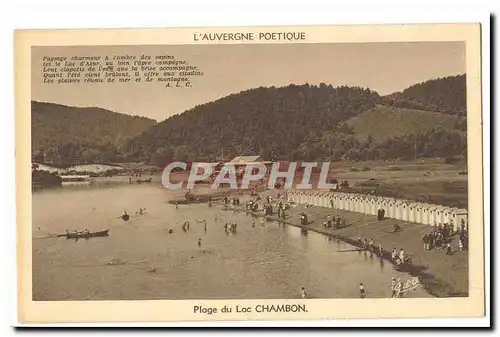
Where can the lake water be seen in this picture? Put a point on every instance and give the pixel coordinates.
(261, 262)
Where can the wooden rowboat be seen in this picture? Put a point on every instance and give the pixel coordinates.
(82, 235)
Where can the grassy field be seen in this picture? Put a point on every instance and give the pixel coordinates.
(382, 122)
(422, 180)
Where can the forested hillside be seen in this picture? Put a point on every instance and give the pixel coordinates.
(273, 122)
(309, 123)
(296, 122)
(64, 135)
(445, 95)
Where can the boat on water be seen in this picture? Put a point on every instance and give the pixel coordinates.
(83, 235)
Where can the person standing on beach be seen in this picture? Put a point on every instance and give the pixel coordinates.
(448, 248)
(371, 245)
(303, 293)
(199, 243)
(401, 256)
(380, 250)
(394, 255)
(362, 292)
(425, 240)
(365, 244)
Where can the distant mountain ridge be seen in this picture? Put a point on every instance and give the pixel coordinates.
(314, 122)
(295, 122)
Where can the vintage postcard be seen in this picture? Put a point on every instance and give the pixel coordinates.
(249, 173)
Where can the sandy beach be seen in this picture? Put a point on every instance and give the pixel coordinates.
(442, 275)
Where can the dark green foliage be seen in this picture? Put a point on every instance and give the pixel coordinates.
(296, 122)
(44, 179)
(276, 123)
(63, 135)
(445, 95)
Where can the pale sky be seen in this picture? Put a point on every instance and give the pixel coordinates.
(383, 67)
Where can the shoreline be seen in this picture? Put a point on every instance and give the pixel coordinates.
(433, 285)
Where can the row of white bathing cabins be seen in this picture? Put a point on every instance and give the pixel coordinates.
(405, 210)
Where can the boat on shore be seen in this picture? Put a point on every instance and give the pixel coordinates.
(82, 235)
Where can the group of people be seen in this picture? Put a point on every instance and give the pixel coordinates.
(268, 209)
(77, 232)
(185, 226)
(252, 206)
(397, 289)
(400, 258)
(334, 222)
(281, 210)
(230, 227)
(371, 247)
(125, 216)
(235, 201)
(441, 237)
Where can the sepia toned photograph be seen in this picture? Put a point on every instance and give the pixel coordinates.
(260, 168)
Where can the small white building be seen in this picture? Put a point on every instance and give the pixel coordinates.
(418, 213)
(412, 212)
(357, 204)
(460, 218)
(398, 214)
(344, 201)
(373, 206)
(405, 208)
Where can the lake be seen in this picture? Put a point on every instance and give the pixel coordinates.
(263, 262)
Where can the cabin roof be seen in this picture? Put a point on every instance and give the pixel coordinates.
(244, 159)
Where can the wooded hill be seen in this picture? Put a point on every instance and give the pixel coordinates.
(296, 122)
(314, 123)
(445, 95)
(65, 135)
